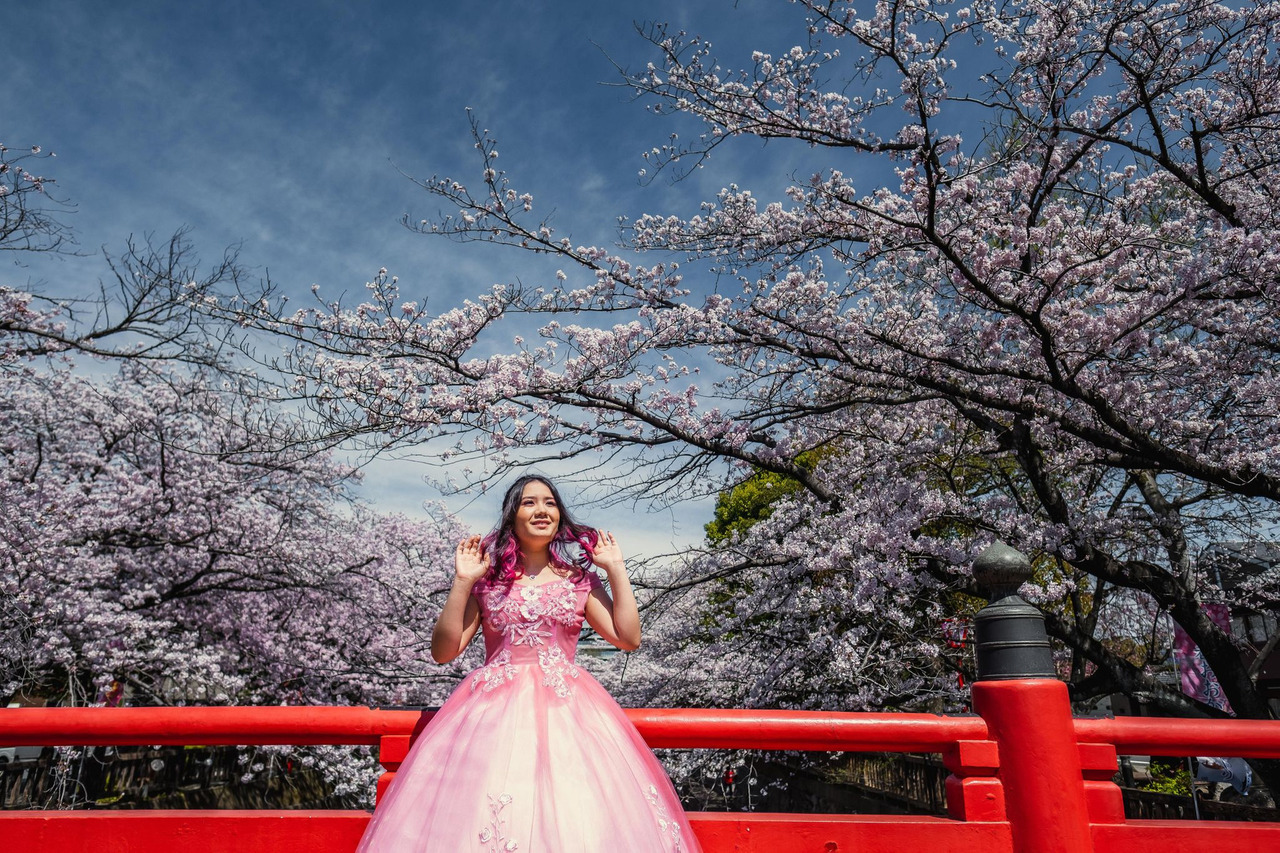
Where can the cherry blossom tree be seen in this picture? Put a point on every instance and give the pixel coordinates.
(157, 545)
(1033, 295)
(141, 310)
(29, 213)
(170, 532)
(171, 540)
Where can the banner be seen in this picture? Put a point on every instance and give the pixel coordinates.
(1198, 680)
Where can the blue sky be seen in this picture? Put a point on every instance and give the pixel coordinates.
(283, 127)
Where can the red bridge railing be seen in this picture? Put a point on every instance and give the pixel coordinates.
(1025, 776)
(1009, 790)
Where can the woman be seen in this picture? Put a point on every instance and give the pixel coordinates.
(530, 753)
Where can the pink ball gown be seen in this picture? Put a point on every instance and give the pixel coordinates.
(530, 753)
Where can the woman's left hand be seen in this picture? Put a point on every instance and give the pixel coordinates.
(614, 617)
(607, 554)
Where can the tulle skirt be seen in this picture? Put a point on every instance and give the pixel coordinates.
(517, 766)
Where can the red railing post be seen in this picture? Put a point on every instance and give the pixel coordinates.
(973, 791)
(391, 752)
(1028, 714)
(1030, 720)
(392, 749)
(1099, 763)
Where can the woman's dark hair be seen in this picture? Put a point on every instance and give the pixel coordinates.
(506, 560)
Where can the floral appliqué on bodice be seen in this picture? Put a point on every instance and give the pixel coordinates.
(526, 624)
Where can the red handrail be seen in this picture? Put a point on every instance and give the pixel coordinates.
(804, 730)
(187, 725)
(1173, 736)
(1004, 795)
(661, 727)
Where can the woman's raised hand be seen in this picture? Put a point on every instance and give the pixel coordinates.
(470, 561)
(607, 554)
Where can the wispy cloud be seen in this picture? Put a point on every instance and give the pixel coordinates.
(281, 127)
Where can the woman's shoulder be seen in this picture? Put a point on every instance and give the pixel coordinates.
(488, 584)
(588, 580)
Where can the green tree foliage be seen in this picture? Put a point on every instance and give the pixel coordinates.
(741, 507)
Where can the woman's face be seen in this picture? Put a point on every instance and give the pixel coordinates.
(537, 517)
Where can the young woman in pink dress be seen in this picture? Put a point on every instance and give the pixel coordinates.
(530, 753)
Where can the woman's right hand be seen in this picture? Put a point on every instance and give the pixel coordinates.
(459, 619)
(470, 563)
